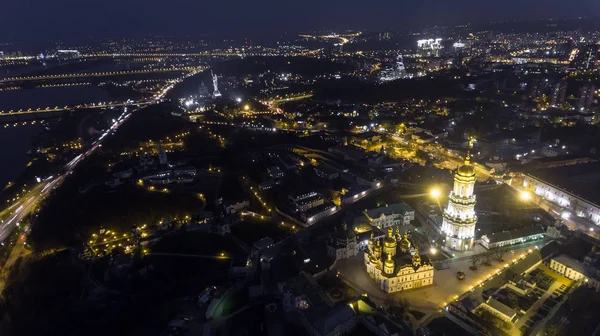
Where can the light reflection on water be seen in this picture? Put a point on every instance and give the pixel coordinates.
(14, 144)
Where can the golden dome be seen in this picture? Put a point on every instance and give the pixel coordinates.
(363, 227)
(378, 246)
(405, 243)
(416, 258)
(466, 170)
(390, 241)
(389, 262)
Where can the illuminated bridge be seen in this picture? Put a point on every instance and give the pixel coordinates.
(99, 74)
(49, 110)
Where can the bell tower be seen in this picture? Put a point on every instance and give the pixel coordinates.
(459, 216)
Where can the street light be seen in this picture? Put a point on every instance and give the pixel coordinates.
(433, 250)
(435, 193)
(525, 196)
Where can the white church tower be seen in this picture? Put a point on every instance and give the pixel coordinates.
(459, 217)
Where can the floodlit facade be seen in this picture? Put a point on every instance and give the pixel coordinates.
(429, 47)
(397, 267)
(459, 218)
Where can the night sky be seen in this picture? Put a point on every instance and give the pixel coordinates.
(43, 19)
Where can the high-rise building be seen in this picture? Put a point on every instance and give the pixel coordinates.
(559, 92)
(459, 218)
(393, 70)
(585, 98)
(429, 47)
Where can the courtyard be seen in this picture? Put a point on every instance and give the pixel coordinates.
(446, 285)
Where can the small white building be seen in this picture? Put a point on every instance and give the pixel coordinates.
(507, 238)
(233, 207)
(390, 215)
(576, 270)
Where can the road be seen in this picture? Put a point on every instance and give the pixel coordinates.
(12, 216)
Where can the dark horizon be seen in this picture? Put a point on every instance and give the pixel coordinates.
(37, 20)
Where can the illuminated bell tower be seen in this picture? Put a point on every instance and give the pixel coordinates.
(459, 216)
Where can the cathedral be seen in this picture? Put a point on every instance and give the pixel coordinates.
(397, 267)
(459, 217)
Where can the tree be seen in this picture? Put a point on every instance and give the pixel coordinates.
(390, 301)
(499, 253)
(398, 307)
(487, 258)
(475, 261)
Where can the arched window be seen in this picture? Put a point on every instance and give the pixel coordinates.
(462, 190)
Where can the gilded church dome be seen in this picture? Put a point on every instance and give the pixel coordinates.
(416, 258)
(389, 262)
(390, 241)
(405, 243)
(466, 170)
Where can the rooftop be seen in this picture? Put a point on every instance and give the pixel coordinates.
(588, 271)
(582, 180)
(508, 235)
(321, 312)
(390, 209)
(501, 307)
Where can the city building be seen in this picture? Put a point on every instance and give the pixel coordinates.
(327, 171)
(342, 244)
(558, 93)
(235, 206)
(392, 70)
(275, 172)
(390, 215)
(317, 213)
(506, 238)
(575, 270)
(585, 98)
(429, 47)
(305, 203)
(307, 304)
(570, 187)
(349, 153)
(459, 216)
(261, 245)
(397, 267)
(298, 196)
